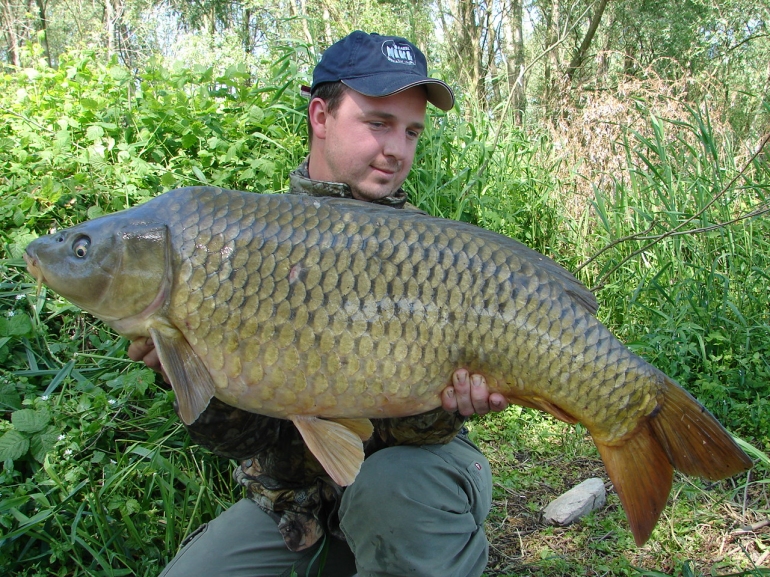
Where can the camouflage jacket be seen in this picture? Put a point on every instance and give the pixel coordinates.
(277, 469)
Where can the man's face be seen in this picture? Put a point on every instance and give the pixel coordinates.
(368, 143)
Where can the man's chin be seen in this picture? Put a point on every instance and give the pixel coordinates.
(372, 193)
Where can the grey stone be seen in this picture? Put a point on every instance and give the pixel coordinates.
(575, 503)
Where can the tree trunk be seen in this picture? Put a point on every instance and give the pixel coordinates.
(579, 57)
(515, 60)
(246, 31)
(470, 47)
(327, 27)
(109, 26)
(10, 23)
(43, 27)
(303, 18)
(552, 61)
(490, 39)
(628, 61)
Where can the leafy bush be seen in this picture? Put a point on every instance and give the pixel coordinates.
(97, 479)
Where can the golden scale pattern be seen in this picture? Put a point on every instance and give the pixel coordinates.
(298, 305)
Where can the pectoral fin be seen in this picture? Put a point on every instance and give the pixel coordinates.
(337, 447)
(190, 379)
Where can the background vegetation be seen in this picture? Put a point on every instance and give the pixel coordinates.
(625, 139)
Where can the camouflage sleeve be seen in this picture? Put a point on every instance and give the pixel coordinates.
(304, 508)
(237, 434)
(436, 427)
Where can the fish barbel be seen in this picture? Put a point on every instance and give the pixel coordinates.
(329, 312)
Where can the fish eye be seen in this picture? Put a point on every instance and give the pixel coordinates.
(80, 246)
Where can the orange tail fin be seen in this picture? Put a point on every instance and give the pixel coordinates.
(695, 442)
(681, 434)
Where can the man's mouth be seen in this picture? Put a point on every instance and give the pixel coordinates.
(388, 171)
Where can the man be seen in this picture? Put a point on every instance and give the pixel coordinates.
(420, 500)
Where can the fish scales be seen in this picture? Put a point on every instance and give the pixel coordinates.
(328, 312)
(349, 321)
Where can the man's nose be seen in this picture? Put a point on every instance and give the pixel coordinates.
(396, 146)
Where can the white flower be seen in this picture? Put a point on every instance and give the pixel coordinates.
(61, 437)
(112, 401)
(68, 452)
(44, 398)
(19, 296)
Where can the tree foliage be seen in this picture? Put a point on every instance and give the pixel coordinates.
(629, 151)
(542, 53)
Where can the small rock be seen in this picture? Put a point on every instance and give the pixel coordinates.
(576, 503)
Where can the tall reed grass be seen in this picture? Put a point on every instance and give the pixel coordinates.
(98, 477)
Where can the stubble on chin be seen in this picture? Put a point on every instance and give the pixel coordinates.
(372, 195)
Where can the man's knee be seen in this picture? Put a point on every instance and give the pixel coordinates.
(410, 505)
(454, 476)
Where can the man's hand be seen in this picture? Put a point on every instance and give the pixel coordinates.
(468, 394)
(143, 349)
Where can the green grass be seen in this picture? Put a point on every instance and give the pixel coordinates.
(98, 477)
(535, 458)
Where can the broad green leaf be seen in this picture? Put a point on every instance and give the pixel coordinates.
(94, 212)
(30, 420)
(19, 218)
(264, 165)
(132, 506)
(189, 140)
(19, 325)
(42, 442)
(168, 179)
(13, 445)
(94, 132)
(256, 114)
(9, 396)
(119, 73)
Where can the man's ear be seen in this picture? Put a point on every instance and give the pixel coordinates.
(318, 115)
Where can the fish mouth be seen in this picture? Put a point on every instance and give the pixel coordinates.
(34, 269)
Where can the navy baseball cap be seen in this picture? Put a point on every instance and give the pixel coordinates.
(375, 65)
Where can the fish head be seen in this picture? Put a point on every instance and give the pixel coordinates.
(114, 268)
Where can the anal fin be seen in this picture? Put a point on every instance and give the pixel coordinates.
(642, 476)
(190, 379)
(338, 448)
(536, 402)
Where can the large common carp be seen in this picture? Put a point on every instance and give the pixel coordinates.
(329, 312)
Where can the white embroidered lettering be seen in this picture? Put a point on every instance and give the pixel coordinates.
(398, 53)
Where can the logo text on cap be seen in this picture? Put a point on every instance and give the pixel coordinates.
(398, 53)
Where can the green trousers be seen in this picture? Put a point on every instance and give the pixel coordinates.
(412, 511)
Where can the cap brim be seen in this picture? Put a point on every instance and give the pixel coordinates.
(379, 85)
